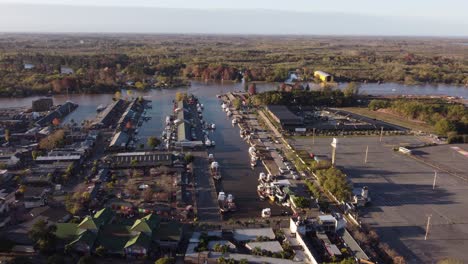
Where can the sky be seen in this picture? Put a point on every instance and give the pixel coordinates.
(341, 17)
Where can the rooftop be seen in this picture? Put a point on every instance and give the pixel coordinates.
(252, 234)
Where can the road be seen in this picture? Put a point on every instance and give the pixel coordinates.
(207, 206)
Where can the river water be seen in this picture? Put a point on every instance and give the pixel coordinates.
(230, 150)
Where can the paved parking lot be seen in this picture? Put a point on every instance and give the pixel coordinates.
(402, 194)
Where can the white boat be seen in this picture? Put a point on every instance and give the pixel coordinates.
(210, 157)
(266, 213)
(223, 106)
(213, 143)
(229, 113)
(168, 120)
(208, 142)
(234, 121)
(214, 169)
(213, 126)
(101, 108)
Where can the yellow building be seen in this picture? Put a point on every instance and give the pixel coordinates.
(323, 76)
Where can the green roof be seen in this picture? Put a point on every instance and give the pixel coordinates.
(88, 223)
(86, 237)
(103, 216)
(66, 231)
(146, 224)
(141, 240)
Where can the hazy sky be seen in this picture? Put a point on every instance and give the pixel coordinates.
(349, 17)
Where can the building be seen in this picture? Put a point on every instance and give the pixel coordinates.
(323, 76)
(42, 104)
(35, 197)
(132, 241)
(283, 116)
(60, 113)
(140, 159)
(119, 141)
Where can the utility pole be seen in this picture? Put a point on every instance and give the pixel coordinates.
(313, 136)
(333, 144)
(367, 151)
(427, 227)
(381, 133)
(434, 183)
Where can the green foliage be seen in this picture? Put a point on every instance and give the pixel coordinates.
(301, 202)
(56, 259)
(352, 89)
(165, 260)
(335, 182)
(101, 251)
(43, 236)
(313, 189)
(443, 126)
(153, 141)
(237, 103)
(376, 104)
(86, 260)
(189, 158)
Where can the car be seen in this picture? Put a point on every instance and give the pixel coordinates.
(295, 176)
(283, 170)
(277, 142)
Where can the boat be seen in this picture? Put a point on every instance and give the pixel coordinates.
(208, 142)
(234, 121)
(213, 143)
(224, 106)
(261, 192)
(101, 108)
(226, 203)
(214, 169)
(211, 157)
(266, 213)
(218, 96)
(213, 126)
(168, 120)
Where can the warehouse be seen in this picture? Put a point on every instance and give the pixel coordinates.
(282, 115)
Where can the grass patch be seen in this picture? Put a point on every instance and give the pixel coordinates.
(389, 118)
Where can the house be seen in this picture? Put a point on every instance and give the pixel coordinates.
(328, 223)
(5, 176)
(42, 104)
(6, 200)
(132, 241)
(11, 160)
(270, 246)
(35, 197)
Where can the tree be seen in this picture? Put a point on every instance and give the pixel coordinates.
(301, 202)
(56, 122)
(153, 141)
(237, 103)
(352, 89)
(53, 140)
(56, 259)
(443, 126)
(139, 85)
(148, 195)
(7, 135)
(101, 251)
(165, 260)
(43, 235)
(180, 96)
(86, 260)
(189, 158)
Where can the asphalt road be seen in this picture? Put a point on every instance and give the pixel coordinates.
(403, 197)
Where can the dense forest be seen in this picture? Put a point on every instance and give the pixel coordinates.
(38, 64)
